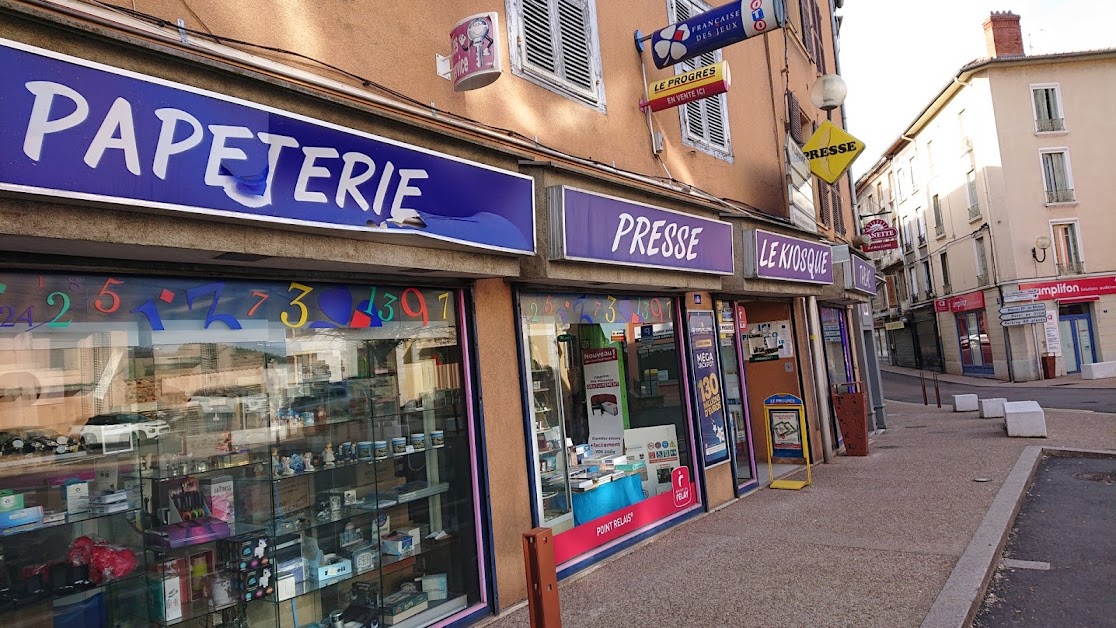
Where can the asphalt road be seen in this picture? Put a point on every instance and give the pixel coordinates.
(1066, 521)
(907, 388)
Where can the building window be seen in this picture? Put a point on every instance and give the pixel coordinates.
(1056, 176)
(1048, 108)
(879, 193)
(911, 277)
(921, 227)
(939, 223)
(825, 208)
(930, 165)
(1067, 249)
(556, 47)
(913, 180)
(946, 288)
(704, 122)
(901, 189)
(963, 132)
(927, 279)
(981, 261)
(971, 191)
(838, 211)
(812, 32)
(908, 239)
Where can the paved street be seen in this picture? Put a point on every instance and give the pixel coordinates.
(870, 543)
(904, 387)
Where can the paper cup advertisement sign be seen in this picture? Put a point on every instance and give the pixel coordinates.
(476, 52)
(604, 400)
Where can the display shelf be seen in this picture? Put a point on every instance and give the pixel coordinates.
(434, 611)
(162, 475)
(31, 463)
(14, 604)
(235, 529)
(78, 518)
(196, 609)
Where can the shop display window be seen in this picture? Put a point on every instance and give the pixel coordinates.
(233, 452)
(607, 403)
(730, 318)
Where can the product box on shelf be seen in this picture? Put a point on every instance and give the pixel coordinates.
(434, 586)
(285, 586)
(201, 567)
(219, 496)
(23, 516)
(293, 567)
(165, 598)
(415, 533)
(244, 552)
(363, 556)
(397, 544)
(186, 519)
(254, 584)
(330, 566)
(76, 496)
(10, 500)
(402, 605)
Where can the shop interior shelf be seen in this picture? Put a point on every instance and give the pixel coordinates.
(235, 529)
(196, 609)
(76, 518)
(31, 463)
(15, 603)
(170, 473)
(369, 505)
(435, 610)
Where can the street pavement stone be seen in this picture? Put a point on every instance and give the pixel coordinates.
(871, 542)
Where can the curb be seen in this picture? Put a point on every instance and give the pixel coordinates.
(960, 598)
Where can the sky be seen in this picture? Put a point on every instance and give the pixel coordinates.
(898, 54)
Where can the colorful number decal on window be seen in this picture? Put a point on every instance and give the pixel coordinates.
(211, 316)
(303, 313)
(610, 314)
(56, 321)
(9, 313)
(262, 296)
(422, 312)
(389, 298)
(149, 310)
(106, 291)
(445, 299)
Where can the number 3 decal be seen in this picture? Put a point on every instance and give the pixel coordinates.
(303, 313)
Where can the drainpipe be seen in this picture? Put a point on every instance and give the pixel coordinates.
(821, 381)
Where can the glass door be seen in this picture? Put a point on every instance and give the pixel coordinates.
(1077, 341)
(735, 402)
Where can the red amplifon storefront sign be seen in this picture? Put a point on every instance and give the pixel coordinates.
(961, 302)
(1070, 288)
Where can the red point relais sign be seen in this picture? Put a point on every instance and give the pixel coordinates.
(680, 89)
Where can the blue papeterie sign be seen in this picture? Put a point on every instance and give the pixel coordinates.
(714, 29)
(596, 228)
(76, 129)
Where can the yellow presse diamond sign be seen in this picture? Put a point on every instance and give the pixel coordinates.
(831, 151)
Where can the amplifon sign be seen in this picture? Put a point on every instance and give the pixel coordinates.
(714, 29)
(591, 227)
(680, 89)
(1071, 288)
(967, 301)
(772, 256)
(475, 56)
(81, 130)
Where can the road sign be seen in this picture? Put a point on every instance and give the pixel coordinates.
(1026, 308)
(1021, 295)
(1017, 315)
(1006, 322)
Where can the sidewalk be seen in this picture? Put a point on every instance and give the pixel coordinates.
(870, 543)
(1066, 381)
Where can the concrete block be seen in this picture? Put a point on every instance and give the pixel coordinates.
(992, 408)
(1025, 419)
(965, 403)
(1098, 370)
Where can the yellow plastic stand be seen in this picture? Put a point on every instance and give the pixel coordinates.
(792, 485)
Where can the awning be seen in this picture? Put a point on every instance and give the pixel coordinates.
(1069, 300)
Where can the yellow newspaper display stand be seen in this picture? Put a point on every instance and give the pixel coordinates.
(786, 436)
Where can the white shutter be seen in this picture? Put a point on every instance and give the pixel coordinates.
(574, 35)
(705, 122)
(538, 39)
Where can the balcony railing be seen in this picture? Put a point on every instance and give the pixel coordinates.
(939, 229)
(982, 280)
(1064, 195)
(946, 288)
(921, 240)
(974, 212)
(1071, 268)
(1050, 124)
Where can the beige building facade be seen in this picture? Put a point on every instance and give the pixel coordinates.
(995, 188)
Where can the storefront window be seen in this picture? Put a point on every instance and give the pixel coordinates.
(322, 426)
(607, 397)
(835, 335)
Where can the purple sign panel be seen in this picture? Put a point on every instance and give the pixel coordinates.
(596, 228)
(76, 129)
(863, 276)
(772, 256)
(707, 387)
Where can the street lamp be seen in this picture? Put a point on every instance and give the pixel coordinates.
(828, 92)
(1041, 243)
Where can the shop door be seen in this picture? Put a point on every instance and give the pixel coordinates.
(1077, 341)
(835, 333)
(904, 350)
(976, 349)
(735, 394)
(770, 365)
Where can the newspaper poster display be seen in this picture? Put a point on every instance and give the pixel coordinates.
(785, 415)
(604, 400)
(657, 447)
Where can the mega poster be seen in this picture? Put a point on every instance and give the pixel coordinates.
(604, 400)
(707, 387)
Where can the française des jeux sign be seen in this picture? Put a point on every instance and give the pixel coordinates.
(76, 129)
(591, 227)
(714, 29)
(769, 255)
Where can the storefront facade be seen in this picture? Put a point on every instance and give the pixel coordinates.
(1078, 329)
(971, 326)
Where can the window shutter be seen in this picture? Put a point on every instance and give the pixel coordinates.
(823, 206)
(838, 212)
(794, 118)
(537, 37)
(573, 34)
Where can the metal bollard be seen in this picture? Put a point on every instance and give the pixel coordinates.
(542, 578)
(922, 380)
(937, 391)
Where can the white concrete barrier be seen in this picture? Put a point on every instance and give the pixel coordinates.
(992, 408)
(1025, 419)
(964, 403)
(1098, 370)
